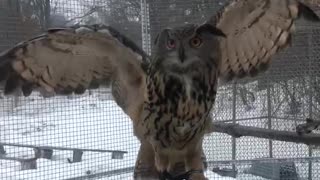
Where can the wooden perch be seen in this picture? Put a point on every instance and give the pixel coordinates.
(237, 131)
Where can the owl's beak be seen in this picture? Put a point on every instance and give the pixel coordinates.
(182, 55)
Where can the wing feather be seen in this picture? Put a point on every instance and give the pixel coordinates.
(68, 60)
(255, 31)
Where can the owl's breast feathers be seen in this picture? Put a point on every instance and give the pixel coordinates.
(177, 107)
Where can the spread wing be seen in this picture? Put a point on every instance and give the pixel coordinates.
(67, 60)
(255, 30)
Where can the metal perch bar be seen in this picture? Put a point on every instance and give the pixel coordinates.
(237, 130)
(26, 163)
(60, 148)
(47, 151)
(17, 159)
(251, 161)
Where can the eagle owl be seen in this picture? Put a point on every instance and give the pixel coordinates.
(169, 95)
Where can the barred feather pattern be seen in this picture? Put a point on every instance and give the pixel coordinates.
(176, 110)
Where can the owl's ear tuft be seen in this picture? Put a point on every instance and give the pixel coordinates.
(160, 34)
(156, 39)
(210, 29)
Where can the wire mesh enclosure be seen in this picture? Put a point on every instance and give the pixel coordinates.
(89, 136)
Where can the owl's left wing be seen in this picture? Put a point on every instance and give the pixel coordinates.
(255, 30)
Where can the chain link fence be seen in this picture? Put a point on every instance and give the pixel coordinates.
(89, 137)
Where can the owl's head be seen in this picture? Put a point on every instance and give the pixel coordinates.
(181, 48)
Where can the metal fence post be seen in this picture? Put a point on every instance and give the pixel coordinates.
(234, 121)
(310, 149)
(145, 23)
(310, 59)
(269, 116)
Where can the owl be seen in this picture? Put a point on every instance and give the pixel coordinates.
(170, 94)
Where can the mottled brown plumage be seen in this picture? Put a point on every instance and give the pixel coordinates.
(256, 30)
(170, 95)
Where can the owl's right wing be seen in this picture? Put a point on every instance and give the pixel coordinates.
(74, 59)
(255, 31)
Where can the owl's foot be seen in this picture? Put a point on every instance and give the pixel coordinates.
(190, 175)
(145, 168)
(197, 176)
(161, 162)
(147, 174)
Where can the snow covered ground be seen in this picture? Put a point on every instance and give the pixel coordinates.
(84, 122)
(96, 122)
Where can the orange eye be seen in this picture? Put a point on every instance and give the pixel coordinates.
(196, 42)
(171, 44)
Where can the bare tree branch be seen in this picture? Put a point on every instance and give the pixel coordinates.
(88, 13)
(237, 131)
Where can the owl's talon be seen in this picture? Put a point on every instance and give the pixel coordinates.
(189, 175)
(197, 176)
(165, 176)
(145, 174)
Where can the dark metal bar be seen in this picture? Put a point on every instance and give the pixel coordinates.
(46, 153)
(2, 150)
(234, 116)
(247, 161)
(269, 117)
(288, 119)
(27, 165)
(16, 159)
(310, 101)
(77, 156)
(60, 148)
(245, 119)
(237, 130)
(263, 117)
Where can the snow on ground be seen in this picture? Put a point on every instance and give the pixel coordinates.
(84, 122)
(96, 122)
